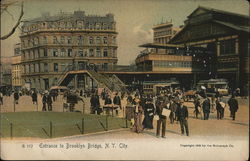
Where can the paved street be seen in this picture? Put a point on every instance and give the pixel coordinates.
(198, 127)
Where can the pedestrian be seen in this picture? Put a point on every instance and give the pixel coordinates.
(129, 112)
(1, 98)
(197, 105)
(49, 102)
(182, 114)
(173, 108)
(162, 118)
(34, 97)
(137, 127)
(95, 104)
(117, 102)
(16, 97)
(206, 108)
(44, 101)
(233, 106)
(149, 111)
(219, 108)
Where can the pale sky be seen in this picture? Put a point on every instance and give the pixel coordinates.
(134, 18)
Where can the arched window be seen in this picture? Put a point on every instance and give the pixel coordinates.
(54, 40)
(91, 41)
(80, 40)
(69, 40)
(62, 40)
(80, 53)
(98, 52)
(105, 40)
(105, 53)
(98, 40)
(91, 52)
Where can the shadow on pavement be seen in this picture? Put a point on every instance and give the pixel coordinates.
(240, 123)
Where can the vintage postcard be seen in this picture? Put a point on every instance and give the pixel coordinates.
(124, 80)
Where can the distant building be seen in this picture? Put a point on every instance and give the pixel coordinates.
(50, 45)
(16, 67)
(5, 71)
(164, 32)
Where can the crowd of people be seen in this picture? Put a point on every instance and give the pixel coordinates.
(140, 109)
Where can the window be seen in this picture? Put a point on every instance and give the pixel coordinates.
(114, 53)
(62, 39)
(54, 40)
(63, 52)
(98, 40)
(98, 26)
(55, 53)
(46, 69)
(55, 67)
(105, 40)
(105, 66)
(227, 47)
(79, 24)
(91, 52)
(98, 52)
(80, 40)
(45, 53)
(69, 52)
(80, 53)
(105, 52)
(69, 40)
(91, 41)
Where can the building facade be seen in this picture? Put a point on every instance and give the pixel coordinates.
(6, 71)
(16, 67)
(52, 44)
(164, 32)
(225, 36)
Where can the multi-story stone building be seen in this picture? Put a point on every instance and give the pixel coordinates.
(164, 32)
(5, 71)
(51, 44)
(16, 67)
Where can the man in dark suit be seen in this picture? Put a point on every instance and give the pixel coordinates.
(95, 104)
(182, 114)
(206, 108)
(233, 106)
(162, 118)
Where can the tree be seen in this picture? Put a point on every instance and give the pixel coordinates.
(4, 8)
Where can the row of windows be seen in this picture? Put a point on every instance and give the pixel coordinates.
(70, 25)
(93, 52)
(79, 40)
(171, 64)
(56, 67)
(162, 33)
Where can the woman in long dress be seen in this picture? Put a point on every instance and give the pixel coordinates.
(137, 127)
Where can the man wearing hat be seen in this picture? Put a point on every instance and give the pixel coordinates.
(233, 106)
(182, 114)
(162, 118)
(148, 114)
(206, 108)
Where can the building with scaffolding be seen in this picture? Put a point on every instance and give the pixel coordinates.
(50, 45)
